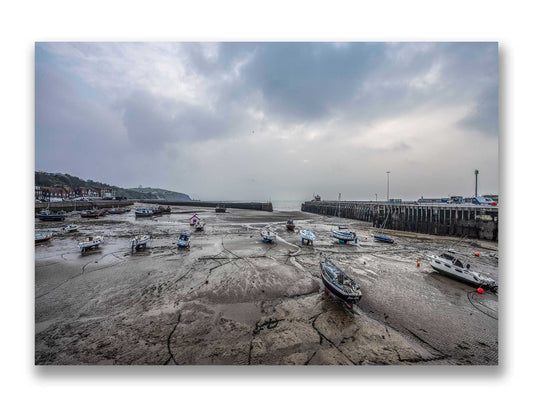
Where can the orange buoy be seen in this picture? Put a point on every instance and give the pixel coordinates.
(417, 264)
(480, 290)
(476, 254)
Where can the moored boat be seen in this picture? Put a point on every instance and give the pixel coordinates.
(116, 211)
(92, 242)
(342, 233)
(139, 241)
(143, 213)
(336, 282)
(383, 239)
(220, 208)
(307, 236)
(43, 236)
(184, 240)
(48, 216)
(91, 214)
(290, 224)
(268, 236)
(71, 228)
(451, 266)
(200, 225)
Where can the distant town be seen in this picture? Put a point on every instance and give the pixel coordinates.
(66, 193)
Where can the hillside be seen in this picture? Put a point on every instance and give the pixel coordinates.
(47, 180)
(158, 193)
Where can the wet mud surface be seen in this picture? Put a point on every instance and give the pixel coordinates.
(232, 299)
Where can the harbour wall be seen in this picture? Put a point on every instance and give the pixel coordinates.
(259, 206)
(80, 205)
(474, 221)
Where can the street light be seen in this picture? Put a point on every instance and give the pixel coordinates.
(376, 197)
(388, 172)
(476, 172)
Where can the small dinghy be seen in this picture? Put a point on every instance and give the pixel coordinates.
(71, 228)
(139, 242)
(383, 239)
(268, 236)
(308, 237)
(290, 224)
(143, 213)
(336, 282)
(451, 266)
(184, 240)
(43, 236)
(92, 242)
(200, 225)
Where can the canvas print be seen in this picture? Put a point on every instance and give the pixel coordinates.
(257, 203)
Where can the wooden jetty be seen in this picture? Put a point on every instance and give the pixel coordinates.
(474, 221)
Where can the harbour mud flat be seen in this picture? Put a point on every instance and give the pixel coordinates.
(232, 299)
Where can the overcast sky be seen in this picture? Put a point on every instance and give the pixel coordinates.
(273, 121)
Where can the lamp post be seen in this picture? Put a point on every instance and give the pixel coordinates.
(476, 172)
(376, 197)
(388, 173)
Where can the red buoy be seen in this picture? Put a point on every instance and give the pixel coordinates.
(480, 290)
(364, 262)
(206, 281)
(417, 264)
(476, 254)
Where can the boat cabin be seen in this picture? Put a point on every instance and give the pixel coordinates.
(194, 219)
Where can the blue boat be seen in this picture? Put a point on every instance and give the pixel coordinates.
(383, 239)
(342, 233)
(46, 215)
(143, 213)
(184, 240)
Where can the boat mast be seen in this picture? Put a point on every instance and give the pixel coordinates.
(339, 210)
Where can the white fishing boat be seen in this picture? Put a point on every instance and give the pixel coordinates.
(92, 242)
(307, 236)
(71, 228)
(268, 236)
(139, 241)
(450, 266)
(184, 240)
(342, 233)
(200, 225)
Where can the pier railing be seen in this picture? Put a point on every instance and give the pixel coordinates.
(473, 221)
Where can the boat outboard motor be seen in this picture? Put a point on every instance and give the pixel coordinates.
(340, 278)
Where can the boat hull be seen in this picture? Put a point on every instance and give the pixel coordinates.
(348, 299)
(43, 237)
(344, 237)
(383, 239)
(52, 218)
(453, 272)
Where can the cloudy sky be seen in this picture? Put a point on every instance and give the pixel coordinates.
(273, 121)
